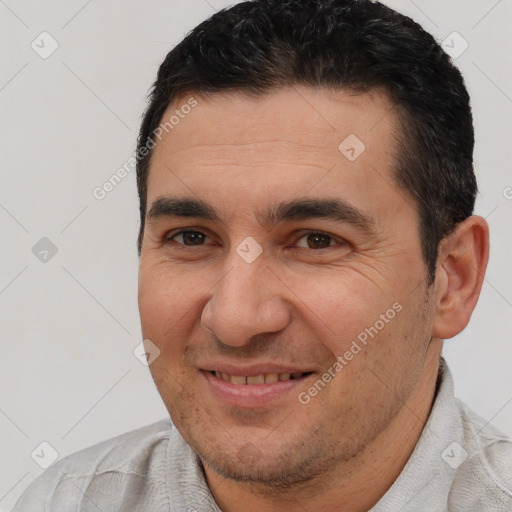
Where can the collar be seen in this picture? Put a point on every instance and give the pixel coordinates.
(427, 477)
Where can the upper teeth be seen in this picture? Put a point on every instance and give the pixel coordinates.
(264, 378)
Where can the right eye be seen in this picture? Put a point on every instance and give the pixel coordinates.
(188, 237)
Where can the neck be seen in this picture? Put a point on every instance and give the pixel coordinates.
(356, 485)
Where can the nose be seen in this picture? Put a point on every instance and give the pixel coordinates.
(246, 302)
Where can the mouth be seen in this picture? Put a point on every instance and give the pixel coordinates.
(258, 380)
(251, 388)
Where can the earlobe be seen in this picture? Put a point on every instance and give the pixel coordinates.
(461, 266)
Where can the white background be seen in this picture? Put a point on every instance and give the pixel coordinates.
(68, 122)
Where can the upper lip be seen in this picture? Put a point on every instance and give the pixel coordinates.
(252, 369)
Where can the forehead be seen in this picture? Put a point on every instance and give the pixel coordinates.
(297, 137)
(316, 117)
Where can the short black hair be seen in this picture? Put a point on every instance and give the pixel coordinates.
(348, 45)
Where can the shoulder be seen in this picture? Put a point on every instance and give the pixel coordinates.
(486, 473)
(114, 467)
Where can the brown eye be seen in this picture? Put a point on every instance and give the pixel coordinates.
(190, 237)
(317, 240)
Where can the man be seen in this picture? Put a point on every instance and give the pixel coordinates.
(307, 241)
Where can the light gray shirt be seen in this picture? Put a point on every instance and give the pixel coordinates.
(460, 464)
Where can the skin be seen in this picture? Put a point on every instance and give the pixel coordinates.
(301, 302)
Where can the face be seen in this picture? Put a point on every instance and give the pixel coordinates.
(281, 278)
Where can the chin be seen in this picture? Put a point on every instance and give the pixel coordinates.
(284, 464)
(243, 467)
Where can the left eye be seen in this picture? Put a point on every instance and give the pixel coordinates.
(316, 241)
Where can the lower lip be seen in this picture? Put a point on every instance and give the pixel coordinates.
(252, 395)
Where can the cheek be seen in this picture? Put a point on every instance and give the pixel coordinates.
(168, 309)
(338, 305)
(167, 302)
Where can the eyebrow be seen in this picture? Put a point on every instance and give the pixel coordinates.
(335, 209)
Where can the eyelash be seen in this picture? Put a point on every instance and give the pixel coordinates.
(169, 239)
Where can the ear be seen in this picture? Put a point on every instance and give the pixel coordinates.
(461, 266)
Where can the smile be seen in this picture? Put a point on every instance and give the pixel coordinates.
(264, 378)
(253, 387)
